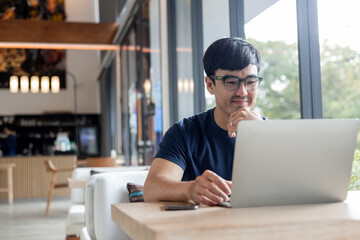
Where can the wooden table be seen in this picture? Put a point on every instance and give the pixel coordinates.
(317, 221)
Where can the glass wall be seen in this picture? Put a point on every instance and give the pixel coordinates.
(340, 58)
(340, 65)
(185, 81)
(141, 86)
(274, 33)
(129, 97)
(215, 25)
(155, 73)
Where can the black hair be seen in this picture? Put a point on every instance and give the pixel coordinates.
(230, 54)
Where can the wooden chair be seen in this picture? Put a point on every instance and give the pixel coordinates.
(51, 168)
(8, 167)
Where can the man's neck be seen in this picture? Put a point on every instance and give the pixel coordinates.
(221, 118)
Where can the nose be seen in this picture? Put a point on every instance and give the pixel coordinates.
(241, 90)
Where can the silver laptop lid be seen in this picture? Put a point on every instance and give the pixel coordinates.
(281, 162)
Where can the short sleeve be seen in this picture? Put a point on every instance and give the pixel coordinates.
(172, 147)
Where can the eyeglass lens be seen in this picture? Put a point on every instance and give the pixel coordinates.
(232, 84)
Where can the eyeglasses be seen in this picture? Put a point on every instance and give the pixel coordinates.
(232, 83)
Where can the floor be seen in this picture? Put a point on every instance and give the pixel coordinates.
(26, 219)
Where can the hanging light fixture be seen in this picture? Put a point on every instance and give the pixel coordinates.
(55, 84)
(147, 87)
(34, 84)
(14, 84)
(45, 85)
(24, 84)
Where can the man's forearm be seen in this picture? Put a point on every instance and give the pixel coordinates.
(165, 189)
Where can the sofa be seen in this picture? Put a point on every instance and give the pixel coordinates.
(76, 214)
(101, 191)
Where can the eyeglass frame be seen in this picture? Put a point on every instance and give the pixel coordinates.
(223, 78)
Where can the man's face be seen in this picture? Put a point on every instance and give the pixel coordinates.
(230, 101)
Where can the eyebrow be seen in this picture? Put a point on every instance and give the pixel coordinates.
(251, 75)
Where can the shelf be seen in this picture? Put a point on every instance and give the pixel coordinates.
(41, 130)
(51, 126)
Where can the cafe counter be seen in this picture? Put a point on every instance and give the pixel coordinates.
(31, 180)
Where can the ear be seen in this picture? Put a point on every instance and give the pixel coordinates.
(210, 85)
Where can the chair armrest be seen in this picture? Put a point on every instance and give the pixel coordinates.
(77, 194)
(109, 189)
(65, 170)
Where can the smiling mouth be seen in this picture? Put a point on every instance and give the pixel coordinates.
(241, 101)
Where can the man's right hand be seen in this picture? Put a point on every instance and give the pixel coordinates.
(209, 189)
(240, 115)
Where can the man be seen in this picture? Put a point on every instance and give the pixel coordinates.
(195, 159)
(8, 146)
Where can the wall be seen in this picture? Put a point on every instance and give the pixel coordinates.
(83, 64)
(110, 9)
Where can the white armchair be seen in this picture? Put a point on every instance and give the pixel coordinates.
(101, 191)
(76, 215)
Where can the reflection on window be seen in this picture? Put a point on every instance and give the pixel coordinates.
(156, 122)
(273, 31)
(141, 86)
(184, 59)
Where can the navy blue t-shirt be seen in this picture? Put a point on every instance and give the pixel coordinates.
(8, 146)
(197, 144)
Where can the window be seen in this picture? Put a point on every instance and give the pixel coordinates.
(340, 65)
(273, 32)
(215, 25)
(185, 81)
(141, 86)
(340, 58)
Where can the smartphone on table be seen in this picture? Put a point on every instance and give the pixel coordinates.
(171, 206)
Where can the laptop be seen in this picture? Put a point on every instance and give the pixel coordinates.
(286, 162)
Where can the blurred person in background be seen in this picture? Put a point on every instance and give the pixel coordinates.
(8, 145)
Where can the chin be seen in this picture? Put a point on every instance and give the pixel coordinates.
(234, 109)
(237, 107)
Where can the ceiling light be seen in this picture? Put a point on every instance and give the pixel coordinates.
(14, 84)
(24, 84)
(45, 85)
(34, 84)
(55, 84)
